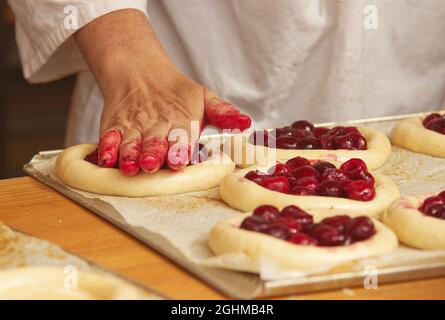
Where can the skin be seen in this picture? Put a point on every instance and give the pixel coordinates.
(146, 96)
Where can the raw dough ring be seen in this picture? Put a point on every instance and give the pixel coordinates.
(245, 195)
(412, 226)
(39, 282)
(410, 134)
(74, 171)
(227, 238)
(379, 150)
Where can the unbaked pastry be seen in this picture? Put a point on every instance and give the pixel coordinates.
(379, 149)
(245, 195)
(52, 283)
(74, 171)
(410, 134)
(413, 227)
(226, 238)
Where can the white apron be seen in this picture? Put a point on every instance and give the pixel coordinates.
(278, 61)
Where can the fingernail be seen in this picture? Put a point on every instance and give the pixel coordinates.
(149, 163)
(129, 167)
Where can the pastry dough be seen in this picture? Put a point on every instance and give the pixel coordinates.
(379, 149)
(227, 238)
(410, 134)
(245, 195)
(74, 171)
(412, 226)
(48, 283)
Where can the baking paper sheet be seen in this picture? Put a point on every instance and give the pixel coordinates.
(184, 221)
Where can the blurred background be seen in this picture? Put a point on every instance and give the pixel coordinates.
(32, 117)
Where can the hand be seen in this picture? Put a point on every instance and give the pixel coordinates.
(146, 97)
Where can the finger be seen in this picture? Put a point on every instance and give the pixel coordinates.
(129, 152)
(179, 149)
(108, 148)
(154, 152)
(223, 115)
(154, 148)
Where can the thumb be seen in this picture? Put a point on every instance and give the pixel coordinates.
(223, 115)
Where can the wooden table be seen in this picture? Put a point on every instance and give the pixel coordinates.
(31, 207)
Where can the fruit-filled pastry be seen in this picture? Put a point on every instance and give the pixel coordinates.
(303, 139)
(293, 239)
(418, 221)
(317, 186)
(424, 135)
(77, 167)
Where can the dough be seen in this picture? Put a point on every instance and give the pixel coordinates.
(48, 283)
(245, 195)
(412, 226)
(227, 238)
(379, 149)
(410, 134)
(80, 174)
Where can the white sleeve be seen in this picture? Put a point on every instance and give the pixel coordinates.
(44, 30)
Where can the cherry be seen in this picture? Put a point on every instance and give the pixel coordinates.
(303, 125)
(320, 131)
(330, 189)
(279, 183)
(437, 125)
(302, 239)
(297, 162)
(327, 235)
(266, 213)
(285, 131)
(302, 217)
(278, 231)
(360, 190)
(336, 175)
(431, 201)
(253, 223)
(287, 142)
(344, 142)
(322, 166)
(280, 169)
(306, 171)
(303, 191)
(354, 164)
(93, 157)
(437, 211)
(442, 195)
(337, 222)
(360, 228)
(289, 223)
(327, 142)
(309, 183)
(255, 176)
(292, 181)
(430, 118)
(347, 130)
(309, 143)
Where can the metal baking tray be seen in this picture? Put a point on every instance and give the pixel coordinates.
(245, 285)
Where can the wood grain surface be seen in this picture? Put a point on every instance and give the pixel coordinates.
(33, 208)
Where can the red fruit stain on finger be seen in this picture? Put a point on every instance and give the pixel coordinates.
(178, 156)
(129, 157)
(108, 148)
(154, 151)
(226, 116)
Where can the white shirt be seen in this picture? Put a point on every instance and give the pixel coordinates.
(279, 61)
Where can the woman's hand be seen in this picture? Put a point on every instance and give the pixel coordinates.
(146, 97)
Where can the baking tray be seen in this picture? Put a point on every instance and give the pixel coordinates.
(245, 285)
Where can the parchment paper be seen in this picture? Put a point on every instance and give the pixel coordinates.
(186, 220)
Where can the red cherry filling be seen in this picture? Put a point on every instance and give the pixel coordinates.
(296, 226)
(435, 122)
(93, 157)
(298, 177)
(434, 206)
(303, 135)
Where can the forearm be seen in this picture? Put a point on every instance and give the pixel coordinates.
(122, 45)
